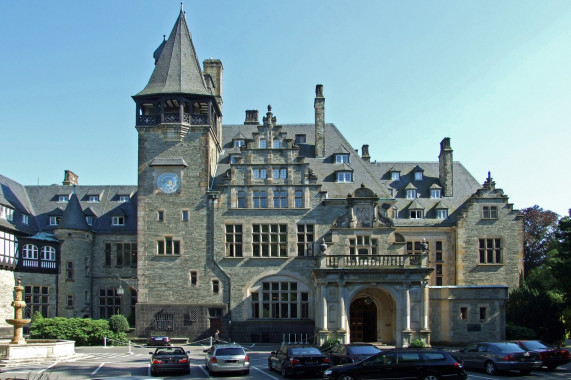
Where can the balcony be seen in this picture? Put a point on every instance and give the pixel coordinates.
(172, 117)
(372, 261)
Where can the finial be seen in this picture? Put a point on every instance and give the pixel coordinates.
(269, 108)
(164, 37)
(181, 8)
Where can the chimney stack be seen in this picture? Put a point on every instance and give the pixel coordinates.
(251, 117)
(365, 153)
(319, 105)
(70, 179)
(445, 164)
(214, 68)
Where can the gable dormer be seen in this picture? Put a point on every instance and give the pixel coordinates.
(418, 173)
(410, 191)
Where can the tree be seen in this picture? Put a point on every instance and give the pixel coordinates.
(539, 228)
(560, 264)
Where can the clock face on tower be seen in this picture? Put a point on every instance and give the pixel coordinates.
(168, 183)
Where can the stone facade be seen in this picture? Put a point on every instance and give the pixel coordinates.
(266, 231)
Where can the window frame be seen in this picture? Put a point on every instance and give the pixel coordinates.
(234, 240)
(118, 220)
(490, 212)
(490, 254)
(280, 299)
(342, 158)
(344, 176)
(163, 245)
(305, 238)
(269, 240)
(435, 193)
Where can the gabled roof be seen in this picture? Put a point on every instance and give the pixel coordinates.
(415, 205)
(177, 70)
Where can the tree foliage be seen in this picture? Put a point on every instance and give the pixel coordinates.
(539, 228)
(118, 323)
(84, 331)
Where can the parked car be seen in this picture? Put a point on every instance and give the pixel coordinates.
(550, 357)
(406, 363)
(227, 358)
(155, 340)
(350, 353)
(498, 356)
(293, 359)
(170, 359)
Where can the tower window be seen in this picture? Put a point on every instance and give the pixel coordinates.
(215, 287)
(184, 215)
(168, 246)
(193, 277)
(160, 216)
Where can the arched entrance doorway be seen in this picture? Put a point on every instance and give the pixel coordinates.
(363, 320)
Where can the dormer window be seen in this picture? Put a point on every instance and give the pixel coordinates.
(435, 193)
(233, 159)
(118, 221)
(124, 198)
(300, 139)
(344, 176)
(418, 176)
(262, 143)
(416, 214)
(63, 198)
(54, 220)
(342, 158)
(239, 143)
(6, 213)
(411, 194)
(25, 219)
(395, 176)
(93, 198)
(89, 220)
(490, 212)
(441, 213)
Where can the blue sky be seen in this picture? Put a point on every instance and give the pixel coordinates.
(494, 76)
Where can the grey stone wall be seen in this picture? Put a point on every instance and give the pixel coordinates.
(7, 283)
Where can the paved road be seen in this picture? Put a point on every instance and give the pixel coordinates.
(99, 362)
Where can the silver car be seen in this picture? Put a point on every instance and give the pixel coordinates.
(227, 358)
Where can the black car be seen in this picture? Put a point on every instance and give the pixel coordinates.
(156, 340)
(292, 359)
(425, 364)
(350, 353)
(550, 357)
(170, 359)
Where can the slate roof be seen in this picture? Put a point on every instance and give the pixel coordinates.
(41, 202)
(177, 70)
(374, 175)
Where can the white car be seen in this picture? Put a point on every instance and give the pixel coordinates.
(227, 358)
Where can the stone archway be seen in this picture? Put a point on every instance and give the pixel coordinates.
(363, 320)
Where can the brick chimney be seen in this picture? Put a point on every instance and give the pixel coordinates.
(70, 178)
(319, 105)
(251, 117)
(445, 172)
(365, 153)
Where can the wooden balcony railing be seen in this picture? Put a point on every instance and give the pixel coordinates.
(373, 261)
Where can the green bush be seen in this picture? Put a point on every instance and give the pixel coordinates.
(329, 343)
(84, 331)
(514, 332)
(118, 323)
(417, 343)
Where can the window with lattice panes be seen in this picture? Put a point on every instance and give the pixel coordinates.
(363, 245)
(241, 199)
(280, 300)
(280, 198)
(109, 302)
(305, 236)
(37, 298)
(260, 199)
(168, 246)
(233, 238)
(490, 251)
(490, 212)
(269, 240)
(298, 199)
(125, 254)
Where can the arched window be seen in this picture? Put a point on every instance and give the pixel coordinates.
(48, 253)
(30, 251)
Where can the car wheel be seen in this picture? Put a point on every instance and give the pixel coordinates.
(490, 368)
(430, 377)
(551, 367)
(346, 377)
(284, 372)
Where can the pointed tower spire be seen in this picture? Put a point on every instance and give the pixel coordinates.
(177, 69)
(73, 217)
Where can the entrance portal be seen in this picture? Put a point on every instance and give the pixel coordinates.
(363, 320)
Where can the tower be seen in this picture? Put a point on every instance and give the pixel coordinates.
(178, 119)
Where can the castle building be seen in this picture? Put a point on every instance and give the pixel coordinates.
(264, 230)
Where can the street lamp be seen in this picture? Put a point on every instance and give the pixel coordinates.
(131, 283)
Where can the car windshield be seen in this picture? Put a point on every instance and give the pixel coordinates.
(305, 351)
(169, 351)
(229, 351)
(534, 345)
(364, 350)
(508, 347)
